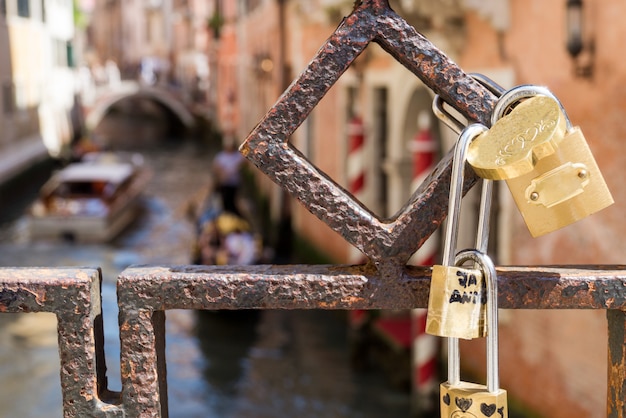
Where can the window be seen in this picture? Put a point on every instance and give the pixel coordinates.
(23, 8)
(69, 48)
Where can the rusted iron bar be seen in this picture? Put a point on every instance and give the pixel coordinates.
(616, 397)
(390, 242)
(146, 292)
(430, 65)
(357, 287)
(74, 296)
(142, 360)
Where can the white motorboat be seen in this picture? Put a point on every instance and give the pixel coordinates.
(91, 201)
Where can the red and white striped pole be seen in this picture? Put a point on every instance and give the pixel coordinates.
(424, 376)
(356, 186)
(356, 169)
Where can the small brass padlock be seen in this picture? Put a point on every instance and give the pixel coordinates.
(470, 400)
(456, 302)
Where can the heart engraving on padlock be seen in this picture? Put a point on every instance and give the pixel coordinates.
(461, 414)
(563, 187)
(517, 141)
(488, 410)
(473, 400)
(523, 141)
(463, 403)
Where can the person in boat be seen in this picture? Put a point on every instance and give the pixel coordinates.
(227, 166)
(226, 238)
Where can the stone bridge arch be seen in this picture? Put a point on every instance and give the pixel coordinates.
(125, 90)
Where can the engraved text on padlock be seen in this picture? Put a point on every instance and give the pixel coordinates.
(456, 304)
(514, 144)
(564, 186)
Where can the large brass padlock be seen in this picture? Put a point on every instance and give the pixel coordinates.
(565, 186)
(456, 301)
(554, 182)
(460, 399)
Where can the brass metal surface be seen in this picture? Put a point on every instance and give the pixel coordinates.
(456, 305)
(563, 188)
(471, 400)
(511, 148)
(558, 185)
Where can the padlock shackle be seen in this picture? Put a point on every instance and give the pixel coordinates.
(489, 84)
(446, 117)
(482, 237)
(456, 191)
(524, 91)
(452, 224)
(490, 276)
(482, 232)
(450, 120)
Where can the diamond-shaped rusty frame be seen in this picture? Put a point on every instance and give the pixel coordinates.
(384, 241)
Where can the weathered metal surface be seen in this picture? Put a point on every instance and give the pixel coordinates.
(145, 293)
(142, 341)
(74, 296)
(616, 397)
(357, 287)
(387, 242)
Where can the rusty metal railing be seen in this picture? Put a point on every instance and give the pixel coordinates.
(145, 293)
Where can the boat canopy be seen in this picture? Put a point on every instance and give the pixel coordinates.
(110, 173)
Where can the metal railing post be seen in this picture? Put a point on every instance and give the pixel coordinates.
(616, 385)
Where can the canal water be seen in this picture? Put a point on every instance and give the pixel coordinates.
(220, 364)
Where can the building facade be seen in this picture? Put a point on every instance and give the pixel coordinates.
(37, 82)
(554, 362)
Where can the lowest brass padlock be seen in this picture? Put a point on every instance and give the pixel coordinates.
(554, 182)
(456, 301)
(460, 399)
